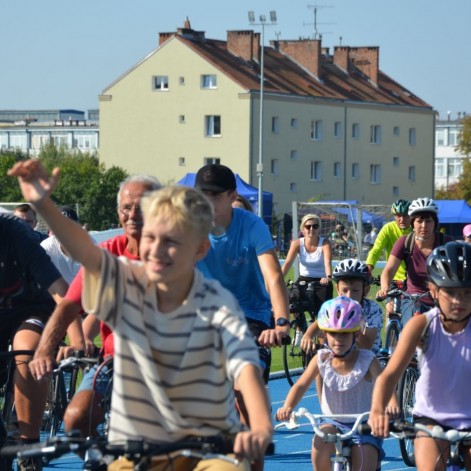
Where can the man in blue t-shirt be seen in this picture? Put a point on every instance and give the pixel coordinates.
(242, 257)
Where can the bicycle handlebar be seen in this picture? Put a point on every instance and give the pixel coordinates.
(76, 360)
(402, 429)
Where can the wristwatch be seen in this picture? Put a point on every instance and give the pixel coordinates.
(282, 322)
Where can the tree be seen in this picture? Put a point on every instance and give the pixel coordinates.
(9, 189)
(465, 137)
(84, 182)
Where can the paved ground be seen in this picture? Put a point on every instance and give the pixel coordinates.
(293, 448)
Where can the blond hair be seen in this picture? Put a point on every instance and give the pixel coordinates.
(309, 217)
(181, 205)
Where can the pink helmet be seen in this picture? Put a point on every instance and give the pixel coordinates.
(340, 314)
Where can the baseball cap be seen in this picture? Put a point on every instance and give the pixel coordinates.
(69, 212)
(215, 177)
(467, 230)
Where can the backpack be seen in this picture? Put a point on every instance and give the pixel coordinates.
(409, 245)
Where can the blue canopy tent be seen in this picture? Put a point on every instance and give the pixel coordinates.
(244, 189)
(453, 216)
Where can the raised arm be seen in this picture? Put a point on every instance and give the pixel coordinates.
(36, 186)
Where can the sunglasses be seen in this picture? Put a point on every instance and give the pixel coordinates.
(311, 226)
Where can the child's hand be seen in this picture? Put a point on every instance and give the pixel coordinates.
(251, 445)
(283, 413)
(307, 344)
(379, 423)
(34, 181)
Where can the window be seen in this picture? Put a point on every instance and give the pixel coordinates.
(316, 130)
(453, 137)
(337, 129)
(209, 81)
(440, 167)
(293, 155)
(396, 161)
(355, 170)
(294, 123)
(293, 187)
(396, 131)
(275, 124)
(274, 166)
(375, 174)
(316, 170)
(375, 134)
(412, 136)
(212, 125)
(455, 168)
(412, 173)
(356, 131)
(160, 82)
(395, 191)
(181, 161)
(440, 137)
(181, 80)
(181, 118)
(212, 160)
(337, 169)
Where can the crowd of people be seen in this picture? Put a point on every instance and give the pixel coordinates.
(191, 299)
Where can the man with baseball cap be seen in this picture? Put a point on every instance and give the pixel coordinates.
(243, 259)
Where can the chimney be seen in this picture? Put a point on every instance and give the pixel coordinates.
(163, 37)
(244, 44)
(341, 58)
(306, 52)
(366, 59)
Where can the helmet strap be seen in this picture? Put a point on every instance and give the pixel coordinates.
(343, 355)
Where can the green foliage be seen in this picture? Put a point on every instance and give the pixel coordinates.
(83, 182)
(9, 189)
(465, 137)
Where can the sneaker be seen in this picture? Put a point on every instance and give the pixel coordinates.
(30, 464)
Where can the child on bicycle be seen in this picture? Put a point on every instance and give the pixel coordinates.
(352, 279)
(181, 341)
(348, 375)
(443, 339)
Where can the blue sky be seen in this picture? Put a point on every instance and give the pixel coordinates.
(62, 54)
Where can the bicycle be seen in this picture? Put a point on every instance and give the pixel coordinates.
(301, 300)
(402, 429)
(7, 399)
(138, 451)
(341, 460)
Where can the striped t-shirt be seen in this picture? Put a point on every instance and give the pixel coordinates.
(173, 372)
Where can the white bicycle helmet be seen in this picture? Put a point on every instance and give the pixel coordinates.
(351, 268)
(423, 205)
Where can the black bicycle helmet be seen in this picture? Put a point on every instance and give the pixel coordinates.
(449, 265)
(400, 207)
(351, 268)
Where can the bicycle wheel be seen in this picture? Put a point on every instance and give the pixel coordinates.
(406, 397)
(294, 359)
(391, 337)
(56, 404)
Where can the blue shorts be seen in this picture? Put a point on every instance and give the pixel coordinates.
(100, 383)
(358, 439)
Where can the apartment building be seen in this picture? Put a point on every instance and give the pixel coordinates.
(29, 130)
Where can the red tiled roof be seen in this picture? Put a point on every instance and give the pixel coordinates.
(283, 75)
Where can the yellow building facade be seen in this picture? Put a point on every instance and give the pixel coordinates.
(333, 127)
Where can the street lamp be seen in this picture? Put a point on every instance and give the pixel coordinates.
(262, 23)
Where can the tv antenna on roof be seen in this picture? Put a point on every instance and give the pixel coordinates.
(314, 24)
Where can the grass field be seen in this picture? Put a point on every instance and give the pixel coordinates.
(277, 353)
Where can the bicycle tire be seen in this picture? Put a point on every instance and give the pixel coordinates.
(391, 337)
(294, 358)
(406, 398)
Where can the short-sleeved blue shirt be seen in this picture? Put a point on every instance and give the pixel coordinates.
(232, 260)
